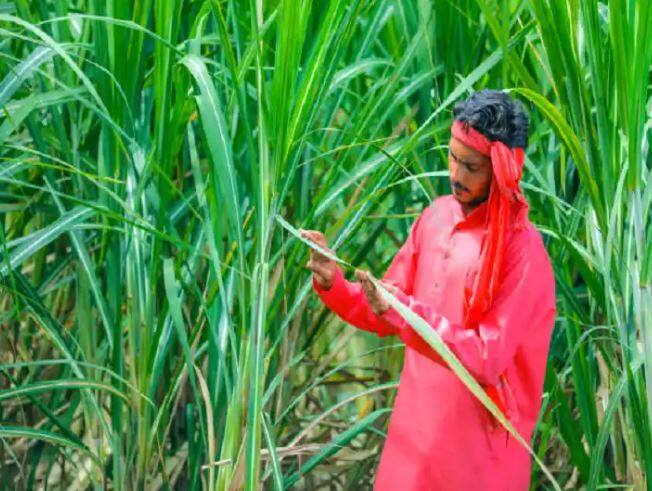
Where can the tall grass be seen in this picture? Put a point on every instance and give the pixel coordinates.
(158, 326)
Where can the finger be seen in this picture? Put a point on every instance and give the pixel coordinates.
(373, 298)
(389, 286)
(364, 274)
(321, 269)
(310, 237)
(365, 279)
(309, 234)
(321, 279)
(314, 235)
(318, 256)
(317, 239)
(369, 287)
(312, 265)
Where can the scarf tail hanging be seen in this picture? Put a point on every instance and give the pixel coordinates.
(504, 190)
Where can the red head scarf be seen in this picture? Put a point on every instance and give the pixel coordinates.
(504, 195)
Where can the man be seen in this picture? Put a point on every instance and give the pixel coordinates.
(475, 268)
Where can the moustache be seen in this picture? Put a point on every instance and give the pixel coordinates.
(458, 186)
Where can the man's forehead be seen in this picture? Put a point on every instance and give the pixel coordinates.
(465, 152)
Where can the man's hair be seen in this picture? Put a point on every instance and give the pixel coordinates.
(496, 115)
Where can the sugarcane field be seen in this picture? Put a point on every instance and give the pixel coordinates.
(388, 245)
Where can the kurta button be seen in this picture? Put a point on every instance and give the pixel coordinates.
(447, 254)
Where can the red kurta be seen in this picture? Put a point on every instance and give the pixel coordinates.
(440, 436)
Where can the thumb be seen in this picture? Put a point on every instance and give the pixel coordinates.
(389, 285)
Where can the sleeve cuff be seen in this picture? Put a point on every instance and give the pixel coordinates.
(336, 285)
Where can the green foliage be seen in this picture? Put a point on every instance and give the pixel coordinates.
(158, 325)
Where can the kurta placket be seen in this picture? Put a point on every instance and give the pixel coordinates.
(440, 437)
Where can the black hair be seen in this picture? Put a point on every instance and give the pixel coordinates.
(496, 115)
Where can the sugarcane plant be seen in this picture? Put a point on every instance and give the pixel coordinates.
(158, 328)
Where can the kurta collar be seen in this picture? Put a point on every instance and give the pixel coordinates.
(476, 218)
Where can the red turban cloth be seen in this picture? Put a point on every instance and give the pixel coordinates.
(504, 195)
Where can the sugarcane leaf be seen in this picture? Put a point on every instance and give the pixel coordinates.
(336, 444)
(271, 448)
(10, 431)
(59, 384)
(316, 247)
(12, 82)
(45, 236)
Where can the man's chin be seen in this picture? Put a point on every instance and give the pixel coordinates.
(467, 199)
(462, 197)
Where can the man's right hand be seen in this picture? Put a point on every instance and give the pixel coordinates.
(322, 267)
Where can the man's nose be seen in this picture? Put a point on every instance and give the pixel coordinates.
(455, 173)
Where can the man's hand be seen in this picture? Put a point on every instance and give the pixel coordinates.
(376, 301)
(322, 267)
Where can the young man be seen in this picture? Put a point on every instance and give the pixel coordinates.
(475, 268)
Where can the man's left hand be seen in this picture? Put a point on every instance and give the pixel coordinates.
(376, 301)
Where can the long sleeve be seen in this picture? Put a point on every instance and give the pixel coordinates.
(487, 351)
(348, 300)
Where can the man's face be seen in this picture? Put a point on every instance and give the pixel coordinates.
(470, 173)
